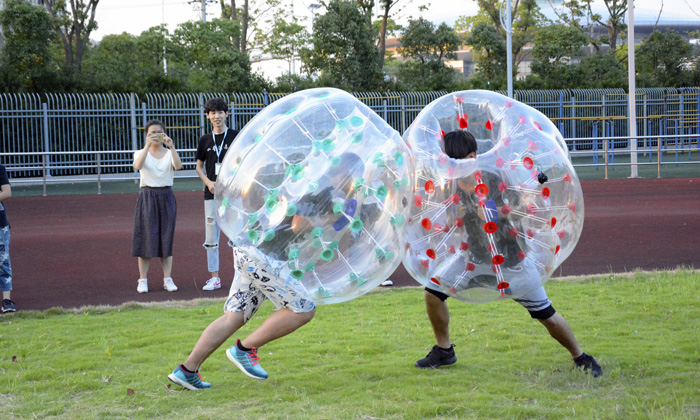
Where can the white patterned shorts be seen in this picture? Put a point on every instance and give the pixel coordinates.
(259, 277)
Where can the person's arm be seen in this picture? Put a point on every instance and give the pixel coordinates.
(5, 192)
(177, 163)
(142, 155)
(200, 171)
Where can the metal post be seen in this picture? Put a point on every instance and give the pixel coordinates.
(403, 114)
(202, 126)
(99, 172)
(385, 110)
(605, 150)
(632, 91)
(47, 145)
(134, 128)
(43, 171)
(509, 49)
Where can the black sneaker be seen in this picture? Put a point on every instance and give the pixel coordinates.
(438, 357)
(8, 306)
(588, 362)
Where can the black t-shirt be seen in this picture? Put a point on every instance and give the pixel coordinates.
(3, 181)
(207, 153)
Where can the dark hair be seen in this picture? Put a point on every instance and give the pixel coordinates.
(151, 123)
(215, 104)
(459, 144)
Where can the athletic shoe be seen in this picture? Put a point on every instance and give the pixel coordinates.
(588, 362)
(169, 285)
(8, 306)
(387, 283)
(438, 357)
(212, 284)
(143, 286)
(191, 381)
(247, 361)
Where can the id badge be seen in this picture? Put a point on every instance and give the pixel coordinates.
(217, 169)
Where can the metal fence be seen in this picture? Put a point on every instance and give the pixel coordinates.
(66, 136)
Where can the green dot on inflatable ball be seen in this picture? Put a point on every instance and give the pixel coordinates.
(317, 232)
(224, 203)
(335, 161)
(389, 256)
(291, 210)
(398, 158)
(327, 255)
(396, 220)
(313, 186)
(311, 266)
(271, 205)
(358, 137)
(356, 225)
(382, 192)
(328, 145)
(379, 253)
(252, 218)
(359, 182)
(356, 121)
(338, 208)
(293, 253)
(297, 274)
(291, 111)
(258, 138)
(298, 172)
(269, 235)
(340, 124)
(316, 243)
(334, 245)
(252, 236)
(272, 193)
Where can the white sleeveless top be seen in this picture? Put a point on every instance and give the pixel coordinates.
(156, 172)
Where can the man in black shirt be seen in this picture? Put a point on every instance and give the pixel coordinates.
(210, 153)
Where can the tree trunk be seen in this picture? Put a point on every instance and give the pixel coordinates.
(244, 26)
(382, 35)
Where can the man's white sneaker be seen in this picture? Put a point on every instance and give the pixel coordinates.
(169, 285)
(387, 283)
(212, 284)
(143, 286)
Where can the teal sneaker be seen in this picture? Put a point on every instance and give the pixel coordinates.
(247, 361)
(191, 381)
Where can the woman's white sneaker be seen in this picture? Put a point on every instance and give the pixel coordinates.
(143, 286)
(169, 285)
(212, 284)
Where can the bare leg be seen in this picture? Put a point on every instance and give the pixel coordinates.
(6, 295)
(277, 325)
(144, 263)
(439, 316)
(167, 263)
(559, 329)
(213, 337)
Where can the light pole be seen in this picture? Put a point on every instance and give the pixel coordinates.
(632, 103)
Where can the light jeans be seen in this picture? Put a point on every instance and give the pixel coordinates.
(211, 238)
(5, 268)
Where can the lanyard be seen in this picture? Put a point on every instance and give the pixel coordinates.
(216, 148)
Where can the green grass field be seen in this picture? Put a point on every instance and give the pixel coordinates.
(355, 359)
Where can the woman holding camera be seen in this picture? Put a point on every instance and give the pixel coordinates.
(156, 209)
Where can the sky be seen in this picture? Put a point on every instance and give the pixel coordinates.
(136, 16)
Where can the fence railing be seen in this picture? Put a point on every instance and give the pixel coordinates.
(36, 130)
(97, 164)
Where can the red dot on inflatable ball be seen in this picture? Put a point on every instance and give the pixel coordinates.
(418, 201)
(470, 267)
(426, 224)
(434, 280)
(490, 227)
(481, 190)
(503, 285)
(528, 163)
(497, 259)
(489, 125)
(429, 187)
(430, 253)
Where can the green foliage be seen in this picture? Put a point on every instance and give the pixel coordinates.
(343, 48)
(27, 63)
(664, 60)
(424, 46)
(355, 359)
(554, 47)
(489, 53)
(602, 71)
(285, 39)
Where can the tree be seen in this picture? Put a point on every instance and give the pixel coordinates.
(285, 39)
(425, 47)
(553, 50)
(343, 48)
(572, 11)
(27, 64)
(664, 60)
(249, 16)
(385, 25)
(73, 28)
(526, 18)
(602, 71)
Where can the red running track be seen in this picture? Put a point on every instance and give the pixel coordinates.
(71, 251)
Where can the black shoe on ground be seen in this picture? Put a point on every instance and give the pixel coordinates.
(588, 362)
(8, 306)
(438, 357)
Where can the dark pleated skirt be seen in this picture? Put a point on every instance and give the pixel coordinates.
(154, 223)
